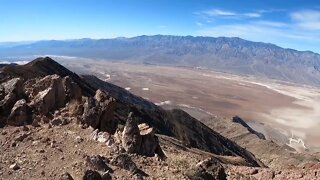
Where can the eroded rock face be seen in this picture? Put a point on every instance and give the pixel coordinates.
(11, 91)
(91, 113)
(150, 142)
(140, 139)
(72, 90)
(50, 94)
(20, 114)
(98, 112)
(207, 169)
(131, 138)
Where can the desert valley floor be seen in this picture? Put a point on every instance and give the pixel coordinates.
(282, 111)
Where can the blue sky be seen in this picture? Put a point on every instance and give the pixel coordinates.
(287, 23)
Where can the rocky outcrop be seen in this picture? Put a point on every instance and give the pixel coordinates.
(98, 112)
(91, 113)
(72, 90)
(20, 114)
(140, 139)
(106, 110)
(11, 91)
(149, 141)
(131, 138)
(50, 94)
(207, 169)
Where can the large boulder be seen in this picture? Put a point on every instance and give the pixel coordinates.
(149, 142)
(20, 114)
(140, 139)
(207, 169)
(131, 138)
(11, 91)
(50, 94)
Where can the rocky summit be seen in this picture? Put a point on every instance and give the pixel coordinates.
(56, 124)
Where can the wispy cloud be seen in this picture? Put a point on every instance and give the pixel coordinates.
(199, 24)
(307, 19)
(218, 12)
(271, 23)
(226, 13)
(300, 31)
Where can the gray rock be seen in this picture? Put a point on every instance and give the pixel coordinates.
(92, 175)
(98, 163)
(207, 169)
(72, 90)
(50, 94)
(11, 91)
(91, 113)
(99, 112)
(131, 138)
(124, 161)
(20, 114)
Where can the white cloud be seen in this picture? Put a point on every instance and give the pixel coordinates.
(218, 12)
(253, 15)
(285, 35)
(225, 13)
(272, 23)
(307, 19)
(199, 24)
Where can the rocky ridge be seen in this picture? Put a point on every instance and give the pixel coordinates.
(64, 126)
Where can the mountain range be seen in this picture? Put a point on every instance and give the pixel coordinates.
(233, 54)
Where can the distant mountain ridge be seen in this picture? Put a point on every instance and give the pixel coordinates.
(226, 54)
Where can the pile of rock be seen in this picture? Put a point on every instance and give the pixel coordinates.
(140, 139)
(20, 101)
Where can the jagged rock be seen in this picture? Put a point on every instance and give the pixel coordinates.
(98, 112)
(91, 175)
(124, 161)
(207, 169)
(107, 106)
(50, 96)
(11, 91)
(107, 121)
(140, 139)
(101, 96)
(149, 142)
(72, 89)
(131, 138)
(66, 176)
(98, 163)
(20, 114)
(91, 113)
